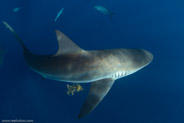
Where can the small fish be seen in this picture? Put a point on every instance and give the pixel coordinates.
(2, 52)
(60, 12)
(74, 88)
(16, 9)
(103, 10)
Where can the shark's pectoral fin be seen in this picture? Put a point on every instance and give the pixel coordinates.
(97, 92)
(65, 44)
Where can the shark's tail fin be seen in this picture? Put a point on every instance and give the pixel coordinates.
(2, 52)
(16, 35)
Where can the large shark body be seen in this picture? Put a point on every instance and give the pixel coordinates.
(99, 67)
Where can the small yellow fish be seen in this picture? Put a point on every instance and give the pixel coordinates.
(74, 88)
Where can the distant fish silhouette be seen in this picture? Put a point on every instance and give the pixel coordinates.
(2, 52)
(103, 10)
(16, 9)
(59, 13)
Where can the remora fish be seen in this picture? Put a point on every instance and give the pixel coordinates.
(73, 64)
(60, 12)
(103, 10)
(2, 52)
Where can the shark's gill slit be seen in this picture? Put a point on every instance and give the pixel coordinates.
(119, 74)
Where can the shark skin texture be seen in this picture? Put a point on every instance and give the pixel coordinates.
(100, 68)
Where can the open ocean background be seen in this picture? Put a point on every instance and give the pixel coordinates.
(154, 94)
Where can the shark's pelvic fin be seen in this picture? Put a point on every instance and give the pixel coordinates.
(97, 92)
(15, 34)
(65, 44)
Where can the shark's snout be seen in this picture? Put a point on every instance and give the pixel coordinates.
(148, 55)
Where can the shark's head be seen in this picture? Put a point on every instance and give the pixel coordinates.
(137, 59)
(140, 57)
(130, 61)
(148, 56)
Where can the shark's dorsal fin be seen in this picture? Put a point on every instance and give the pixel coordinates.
(65, 44)
(97, 92)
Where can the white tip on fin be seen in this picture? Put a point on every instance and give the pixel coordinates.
(65, 44)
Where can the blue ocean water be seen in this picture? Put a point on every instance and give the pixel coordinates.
(154, 94)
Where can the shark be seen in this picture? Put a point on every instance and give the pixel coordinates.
(100, 68)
